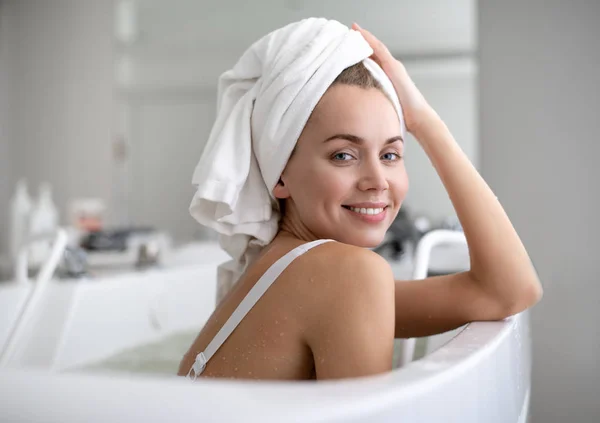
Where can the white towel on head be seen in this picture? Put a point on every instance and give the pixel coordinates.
(263, 104)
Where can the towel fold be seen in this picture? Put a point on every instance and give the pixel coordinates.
(263, 104)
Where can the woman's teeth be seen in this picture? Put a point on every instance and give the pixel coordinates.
(366, 211)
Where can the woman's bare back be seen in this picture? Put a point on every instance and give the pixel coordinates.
(329, 315)
(269, 342)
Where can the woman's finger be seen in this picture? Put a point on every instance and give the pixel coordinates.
(374, 55)
(380, 51)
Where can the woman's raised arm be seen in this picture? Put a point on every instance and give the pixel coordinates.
(501, 281)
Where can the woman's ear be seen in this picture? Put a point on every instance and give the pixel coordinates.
(280, 190)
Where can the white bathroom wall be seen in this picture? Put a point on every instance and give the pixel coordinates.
(62, 96)
(540, 101)
(168, 134)
(193, 26)
(5, 95)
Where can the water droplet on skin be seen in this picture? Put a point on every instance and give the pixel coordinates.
(284, 317)
(276, 369)
(249, 373)
(276, 322)
(281, 334)
(235, 369)
(223, 358)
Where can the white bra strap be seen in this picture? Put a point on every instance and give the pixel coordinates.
(257, 291)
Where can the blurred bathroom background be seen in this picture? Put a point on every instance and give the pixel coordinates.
(110, 103)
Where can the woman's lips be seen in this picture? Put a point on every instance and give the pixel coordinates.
(369, 218)
(368, 205)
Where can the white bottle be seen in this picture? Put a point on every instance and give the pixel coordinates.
(43, 220)
(20, 209)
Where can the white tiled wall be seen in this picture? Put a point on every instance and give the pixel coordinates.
(61, 104)
(167, 140)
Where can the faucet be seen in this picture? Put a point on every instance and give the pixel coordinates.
(75, 264)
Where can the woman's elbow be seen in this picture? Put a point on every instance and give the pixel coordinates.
(527, 296)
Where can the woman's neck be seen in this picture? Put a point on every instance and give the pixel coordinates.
(291, 225)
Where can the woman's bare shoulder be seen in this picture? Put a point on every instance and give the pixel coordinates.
(335, 271)
(344, 260)
(351, 304)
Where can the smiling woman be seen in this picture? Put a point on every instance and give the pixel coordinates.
(306, 308)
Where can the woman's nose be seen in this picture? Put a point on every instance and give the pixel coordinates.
(373, 176)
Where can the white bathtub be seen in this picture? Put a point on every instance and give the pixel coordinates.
(482, 374)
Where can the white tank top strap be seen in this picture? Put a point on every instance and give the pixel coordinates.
(257, 291)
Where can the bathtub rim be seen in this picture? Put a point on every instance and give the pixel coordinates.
(341, 398)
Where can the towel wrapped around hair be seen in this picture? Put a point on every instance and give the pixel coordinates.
(263, 104)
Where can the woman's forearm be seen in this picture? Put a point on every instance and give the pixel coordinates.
(499, 262)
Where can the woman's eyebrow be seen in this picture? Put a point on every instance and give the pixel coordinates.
(358, 140)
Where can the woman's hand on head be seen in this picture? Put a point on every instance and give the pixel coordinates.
(415, 108)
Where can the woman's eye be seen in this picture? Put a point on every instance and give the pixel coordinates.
(342, 157)
(391, 156)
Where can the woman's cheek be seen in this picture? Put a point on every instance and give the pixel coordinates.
(401, 185)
